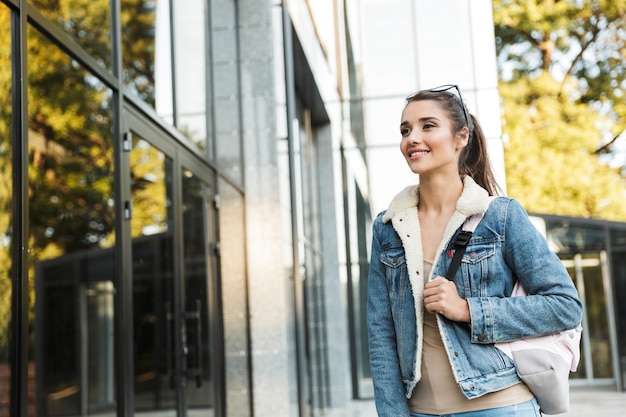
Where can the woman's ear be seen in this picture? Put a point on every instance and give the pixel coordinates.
(462, 137)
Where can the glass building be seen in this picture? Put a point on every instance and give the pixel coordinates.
(182, 232)
(187, 194)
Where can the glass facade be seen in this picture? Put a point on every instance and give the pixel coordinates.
(593, 253)
(146, 252)
(85, 21)
(143, 23)
(6, 202)
(71, 218)
(115, 304)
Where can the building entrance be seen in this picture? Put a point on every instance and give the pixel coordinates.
(599, 339)
(172, 226)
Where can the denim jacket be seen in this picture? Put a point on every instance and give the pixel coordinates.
(505, 247)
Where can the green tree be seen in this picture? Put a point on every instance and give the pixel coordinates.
(562, 81)
(550, 160)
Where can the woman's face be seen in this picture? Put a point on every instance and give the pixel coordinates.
(429, 144)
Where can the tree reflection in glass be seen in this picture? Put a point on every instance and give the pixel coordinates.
(71, 233)
(6, 198)
(87, 21)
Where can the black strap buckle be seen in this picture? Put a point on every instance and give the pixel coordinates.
(463, 238)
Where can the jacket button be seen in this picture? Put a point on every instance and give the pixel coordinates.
(481, 337)
(473, 388)
(473, 255)
(456, 354)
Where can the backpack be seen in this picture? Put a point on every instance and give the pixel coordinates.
(543, 363)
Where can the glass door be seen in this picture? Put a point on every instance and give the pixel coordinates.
(170, 215)
(598, 345)
(154, 294)
(202, 307)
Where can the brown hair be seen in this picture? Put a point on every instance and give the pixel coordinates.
(474, 159)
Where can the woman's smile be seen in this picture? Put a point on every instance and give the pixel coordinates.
(417, 153)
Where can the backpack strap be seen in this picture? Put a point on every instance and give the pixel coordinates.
(462, 240)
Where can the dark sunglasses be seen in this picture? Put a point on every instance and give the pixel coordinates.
(441, 89)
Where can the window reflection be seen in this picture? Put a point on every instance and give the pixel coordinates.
(148, 67)
(139, 47)
(6, 195)
(587, 272)
(190, 37)
(71, 226)
(153, 279)
(196, 239)
(565, 237)
(87, 21)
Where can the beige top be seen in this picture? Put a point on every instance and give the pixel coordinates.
(437, 392)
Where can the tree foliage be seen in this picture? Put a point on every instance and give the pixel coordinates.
(563, 80)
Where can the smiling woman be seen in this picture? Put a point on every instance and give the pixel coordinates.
(413, 308)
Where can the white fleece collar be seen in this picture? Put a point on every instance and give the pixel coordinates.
(474, 199)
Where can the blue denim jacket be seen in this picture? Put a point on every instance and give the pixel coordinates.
(504, 247)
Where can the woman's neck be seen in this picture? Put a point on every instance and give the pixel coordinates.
(437, 196)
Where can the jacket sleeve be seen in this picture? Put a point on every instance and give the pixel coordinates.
(388, 385)
(552, 305)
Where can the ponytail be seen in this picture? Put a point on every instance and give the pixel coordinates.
(474, 160)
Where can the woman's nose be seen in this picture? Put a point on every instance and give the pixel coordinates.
(414, 136)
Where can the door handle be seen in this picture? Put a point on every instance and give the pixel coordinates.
(169, 357)
(197, 369)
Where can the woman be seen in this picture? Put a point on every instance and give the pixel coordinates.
(432, 340)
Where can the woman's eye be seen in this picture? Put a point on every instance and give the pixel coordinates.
(428, 125)
(405, 131)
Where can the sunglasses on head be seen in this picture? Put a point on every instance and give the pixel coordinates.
(443, 88)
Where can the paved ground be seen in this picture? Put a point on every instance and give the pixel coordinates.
(585, 402)
(592, 402)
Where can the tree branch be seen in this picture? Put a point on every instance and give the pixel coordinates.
(583, 48)
(606, 146)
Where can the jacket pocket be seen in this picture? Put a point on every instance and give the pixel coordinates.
(394, 259)
(477, 253)
(478, 266)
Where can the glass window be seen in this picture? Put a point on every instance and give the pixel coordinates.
(566, 236)
(226, 95)
(146, 53)
(618, 268)
(153, 279)
(149, 68)
(618, 238)
(198, 237)
(191, 69)
(588, 274)
(71, 223)
(357, 230)
(87, 21)
(6, 196)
